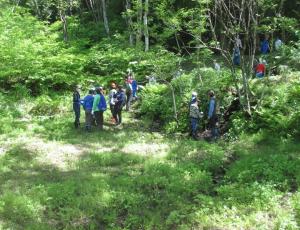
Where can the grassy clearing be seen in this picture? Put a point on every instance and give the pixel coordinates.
(55, 177)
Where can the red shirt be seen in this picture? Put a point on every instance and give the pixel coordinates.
(260, 68)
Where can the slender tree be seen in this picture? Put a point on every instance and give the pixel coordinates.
(105, 18)
(146, 30)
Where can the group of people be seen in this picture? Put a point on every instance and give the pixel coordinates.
(195, 115)
(95, 103)
(260, 65)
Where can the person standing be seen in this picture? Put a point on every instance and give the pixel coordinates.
(194, 98)
(278, 44)
(265, 45)
(217, 66)
(128, 87)
(236, 56)
(212, 115)
(238, 42)
(260, 70)
(195, 116)
(99, 106)
(76, 106)
(120, 100)
(112, 93)
(88, 107)
(134, 86)
(151, 79)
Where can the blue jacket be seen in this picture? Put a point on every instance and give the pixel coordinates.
(265, 48)
(102, 106)
(134, 85)
(88, 102)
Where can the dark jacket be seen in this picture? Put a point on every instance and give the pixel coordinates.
(76, 98)
(120, 98)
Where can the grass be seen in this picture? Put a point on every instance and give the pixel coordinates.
(55, 177)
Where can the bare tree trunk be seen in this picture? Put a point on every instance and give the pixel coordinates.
(65, 24)
(91, 7)
(105, 19)
(146, 30)
(129, 22)
(38, 12)
(139, 21)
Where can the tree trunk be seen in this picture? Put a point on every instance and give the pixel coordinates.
(65, 24)
(139, 21)
(38, 12)
(105, 19)
(129, 22)
(146, 30)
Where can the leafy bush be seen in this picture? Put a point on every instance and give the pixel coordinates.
(276, 169)
(157, 101)
(47, 106)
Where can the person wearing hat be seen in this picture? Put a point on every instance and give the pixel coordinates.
(76, 105)
(99, 106)
(194, 97)
(88, 107)
(195, 116)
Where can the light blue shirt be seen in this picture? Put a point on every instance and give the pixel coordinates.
(211, 109)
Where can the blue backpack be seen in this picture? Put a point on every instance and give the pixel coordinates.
(102, 106)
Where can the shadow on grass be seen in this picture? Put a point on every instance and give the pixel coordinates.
(39, 196)
(111, 189)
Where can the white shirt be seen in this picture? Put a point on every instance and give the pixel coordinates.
(278, 44)
(238, 43)
(217, 67)
(152, 80)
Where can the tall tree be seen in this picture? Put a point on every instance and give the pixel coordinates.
(146, 30)
(105, 18)
(128, 16)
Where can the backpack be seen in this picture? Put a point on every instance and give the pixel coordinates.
(102, 106)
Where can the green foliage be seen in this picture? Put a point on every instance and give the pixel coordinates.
(110, 60)
(31, 56)
(157, 100)
(278, 112)
(58, 178)
(47, 106)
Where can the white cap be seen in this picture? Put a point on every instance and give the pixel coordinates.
(194, 94)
